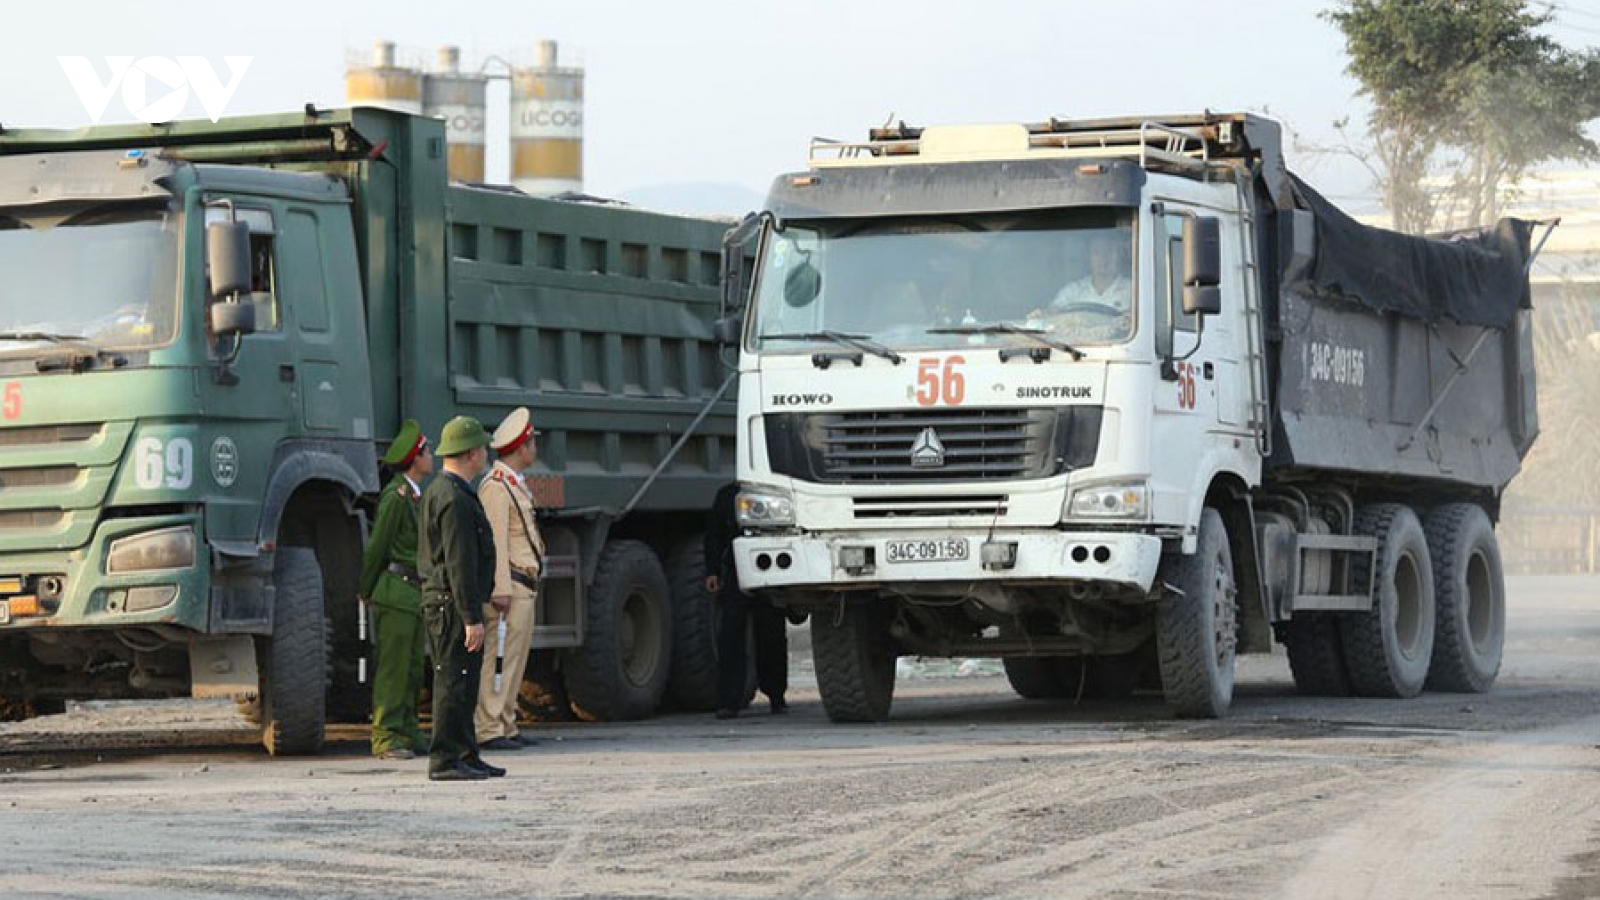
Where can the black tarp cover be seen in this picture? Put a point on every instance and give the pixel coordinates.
(1475, 279)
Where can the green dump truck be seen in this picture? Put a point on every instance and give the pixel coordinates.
(208, 330)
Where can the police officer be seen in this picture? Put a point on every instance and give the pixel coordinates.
(456, 554)
(391, 583)
(737, 610)
(519, 558)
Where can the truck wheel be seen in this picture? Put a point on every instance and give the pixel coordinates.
(692, 685)
(855, 659)
(1387, 649)
(1316, 658)
(1037, 677)
(1469, 599)
(295, 676)
(621, 670)
(1196, 625)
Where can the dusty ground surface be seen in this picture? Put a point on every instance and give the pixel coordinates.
(967, 792)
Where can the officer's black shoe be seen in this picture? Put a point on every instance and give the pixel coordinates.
(779, 706)
(526, 741)
(727, 713)
(458, 772)
(480, 766)
(502, 743)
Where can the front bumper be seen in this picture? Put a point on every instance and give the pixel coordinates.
(813, 561)
(95, 599)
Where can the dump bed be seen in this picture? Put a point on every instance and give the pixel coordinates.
(1401, 355)
(598, 318)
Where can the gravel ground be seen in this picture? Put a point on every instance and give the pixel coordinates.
(967, 792)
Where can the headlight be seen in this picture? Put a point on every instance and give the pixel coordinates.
(765, 508)
(169, 548)
(1111, 501)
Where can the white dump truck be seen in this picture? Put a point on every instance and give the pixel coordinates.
(1114, 401)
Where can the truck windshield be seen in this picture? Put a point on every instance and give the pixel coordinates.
(943, 283)
(104, 273)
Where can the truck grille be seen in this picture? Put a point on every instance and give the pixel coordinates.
(941, 446)
(901, 507)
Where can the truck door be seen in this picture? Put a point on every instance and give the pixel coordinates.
(323, 312)
(1206, 357)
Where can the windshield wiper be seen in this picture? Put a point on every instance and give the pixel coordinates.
(40, 336)
(1037, 334)
(858, 341)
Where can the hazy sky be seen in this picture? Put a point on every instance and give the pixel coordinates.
(707, 91)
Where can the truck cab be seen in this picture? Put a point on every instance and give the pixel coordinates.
(139, 441)
(1007, 403)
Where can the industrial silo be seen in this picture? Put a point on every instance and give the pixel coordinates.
(383, 83)
(547, 126)
(459, 99)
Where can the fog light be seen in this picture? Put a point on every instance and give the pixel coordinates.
(856, 560)
(141, 599)
(1080, 554)
(1102, 554)
(763, 561)
(785, 560)
(998, 554)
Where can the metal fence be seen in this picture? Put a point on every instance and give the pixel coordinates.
(1548, 540)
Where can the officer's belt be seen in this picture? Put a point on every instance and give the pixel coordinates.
(406, 573)
(530, 582)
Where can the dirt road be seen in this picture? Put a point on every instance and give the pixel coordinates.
(967, 792)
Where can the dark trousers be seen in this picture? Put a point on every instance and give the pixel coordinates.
(455, 687)
(744, 621)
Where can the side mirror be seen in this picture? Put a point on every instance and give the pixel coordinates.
(726, 330)
(733, 261)
(232, 317)
(1204, 300)
(228, 256)
(802, 285)
(1202, 251)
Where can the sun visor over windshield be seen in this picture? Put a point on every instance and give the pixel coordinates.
(914, 189)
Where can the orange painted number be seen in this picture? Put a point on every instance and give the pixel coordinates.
(1186, 389)
(11, 405)
(935, 386)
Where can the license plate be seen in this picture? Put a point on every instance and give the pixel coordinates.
(926, 551)
(5, 612)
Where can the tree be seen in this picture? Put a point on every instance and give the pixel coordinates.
(1466, 92)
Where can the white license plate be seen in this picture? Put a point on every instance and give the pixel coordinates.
(926, 551)
(5, 612)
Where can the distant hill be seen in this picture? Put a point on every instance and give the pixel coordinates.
(696, 199)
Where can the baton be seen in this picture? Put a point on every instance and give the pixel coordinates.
(361, 633)
(499, 652)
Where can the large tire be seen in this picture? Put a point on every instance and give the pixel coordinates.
(1316, 656)
(1036, 677)
(620, 672)
(1469, 592)
(855, 658)
(1387, 650)
(295, 675)
(692, 685)
(1197, 625)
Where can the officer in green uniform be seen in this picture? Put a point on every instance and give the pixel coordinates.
(456, 554)
(391, 583)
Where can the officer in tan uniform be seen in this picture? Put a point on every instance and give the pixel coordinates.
(519, 558)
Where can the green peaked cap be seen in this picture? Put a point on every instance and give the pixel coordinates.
(405, 445)
(461, 434)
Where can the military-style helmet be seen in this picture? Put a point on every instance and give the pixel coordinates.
(461, 434)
